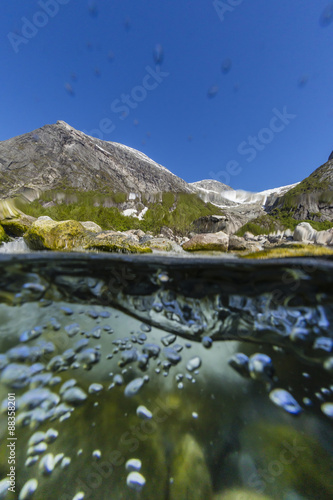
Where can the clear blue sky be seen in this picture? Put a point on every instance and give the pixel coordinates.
(222, 70)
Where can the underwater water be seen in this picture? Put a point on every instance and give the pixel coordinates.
(140, 377)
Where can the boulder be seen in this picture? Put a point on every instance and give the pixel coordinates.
(47, 234)
(166, 232)
(237, 243)
(160, 244)
(18, 226)
(210, 224)
(304, 232)
(111, 241)
(208, 241)
(324, 237)
(249, 236)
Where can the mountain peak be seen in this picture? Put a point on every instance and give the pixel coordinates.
(58, 156)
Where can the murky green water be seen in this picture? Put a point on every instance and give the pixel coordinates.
(144, 378)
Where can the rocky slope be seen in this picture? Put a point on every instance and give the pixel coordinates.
(311, 199)
(58, 156)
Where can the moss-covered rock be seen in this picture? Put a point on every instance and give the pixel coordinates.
(46, 234)
(110, 241)
(208, 241)
(3, 236)
(160, 244)
(18, 226)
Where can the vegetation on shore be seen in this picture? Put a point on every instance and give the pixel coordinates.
(297, 250)
(279, 219)
(175, 210)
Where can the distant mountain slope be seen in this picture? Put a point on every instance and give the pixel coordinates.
(313, 197)
(58, 156)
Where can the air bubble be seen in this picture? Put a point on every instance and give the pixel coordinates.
(144, 413)
(193, 364)
(133, 387)
(133, 464)
(135, 481)
(283, 399)
(28, 489)
(327, 409)
(95, 388)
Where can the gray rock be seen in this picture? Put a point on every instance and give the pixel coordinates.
(237, 243)
(208, 242)
(304, 232)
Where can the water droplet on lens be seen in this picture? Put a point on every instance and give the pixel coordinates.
(285, 400)
(212, 91)
(226, 66)
(133, 464)
(135, 481)
(327, 16)
(158, 54)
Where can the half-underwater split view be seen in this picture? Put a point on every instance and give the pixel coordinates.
(166, 250)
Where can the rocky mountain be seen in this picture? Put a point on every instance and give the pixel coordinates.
(311, 199)
(59, 159)
(58, 156)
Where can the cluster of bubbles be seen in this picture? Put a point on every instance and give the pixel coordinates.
(48, 395)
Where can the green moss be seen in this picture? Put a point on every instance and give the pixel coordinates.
(75, 205)
(3, 236)
(17, 227)
(291, 251)
(279, 219)
(51, 235)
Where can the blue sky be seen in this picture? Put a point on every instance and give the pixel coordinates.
(239, 91)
